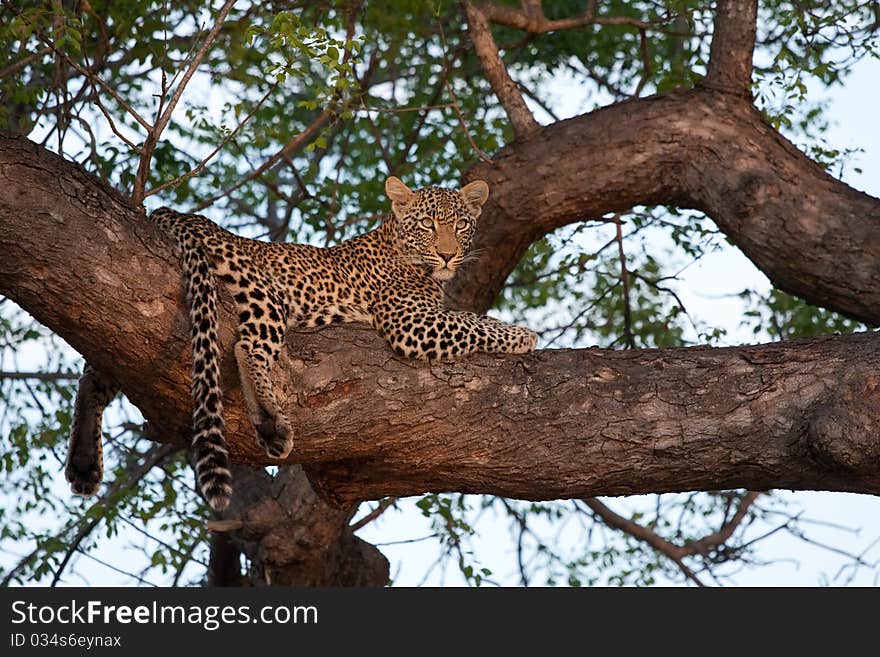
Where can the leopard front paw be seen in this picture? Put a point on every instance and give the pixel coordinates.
(526, 340)
(274, 434)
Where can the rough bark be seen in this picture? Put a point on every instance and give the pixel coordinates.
(733, 43)
(811, 234)
(293, 538)
(224, 567)
(290, 536)
(554, 424)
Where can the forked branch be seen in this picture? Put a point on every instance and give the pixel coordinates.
(524, 124)
(155, 132)
(676, 553)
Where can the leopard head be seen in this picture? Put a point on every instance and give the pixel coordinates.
(435, 226)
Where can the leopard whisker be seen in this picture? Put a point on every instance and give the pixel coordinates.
(473, 256)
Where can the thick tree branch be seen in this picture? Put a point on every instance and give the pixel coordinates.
(733, 43)
(524, 124)
(811, 234)
(554, 424)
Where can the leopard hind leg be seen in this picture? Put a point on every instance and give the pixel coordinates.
(84, 468)
(262, 322)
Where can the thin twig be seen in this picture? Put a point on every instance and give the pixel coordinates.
(152, 140)
(187, 558)
(92, 77)
(523, 527)
(24, 61)
(201, 165)
(372, 515)
(73, 546)
(399, 110)
(407, 540)
(97, 96)
(646, 61)
(289, 149)
(303, 138)
(118, 570)
(455, 105)
(655, 283)
(703, 545)
(154, 456)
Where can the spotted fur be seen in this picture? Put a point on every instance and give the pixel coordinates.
(85, 455)
(391, 277)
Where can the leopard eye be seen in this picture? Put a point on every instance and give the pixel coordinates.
(427, 222)
(461, 224)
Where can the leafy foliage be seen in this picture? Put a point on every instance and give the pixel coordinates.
(404, 95)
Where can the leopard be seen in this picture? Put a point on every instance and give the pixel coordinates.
(392, 277)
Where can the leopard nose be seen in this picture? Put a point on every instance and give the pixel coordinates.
(446, 255)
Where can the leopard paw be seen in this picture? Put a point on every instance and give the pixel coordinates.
(526, 341)
(84, 475)
(274, 434)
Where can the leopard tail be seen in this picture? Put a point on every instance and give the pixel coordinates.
(210, 451)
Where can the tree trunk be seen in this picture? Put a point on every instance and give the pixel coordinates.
(554, 424)
(293, 538)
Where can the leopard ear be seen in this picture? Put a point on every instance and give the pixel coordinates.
(475, 194)
(401, 195)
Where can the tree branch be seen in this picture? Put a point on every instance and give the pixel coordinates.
(812, 235)
(24, 61)
(531, 18)
(134, 474)
(210, 156)
(676, 553)
(155, 131)
(297, 143)
(524, 124)
(454, 104)
(554, 424)
(375, 513)
(95, 80)
(40, 376)
(291, 537)
(715, 539)
(644, 534)
(733, 43)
